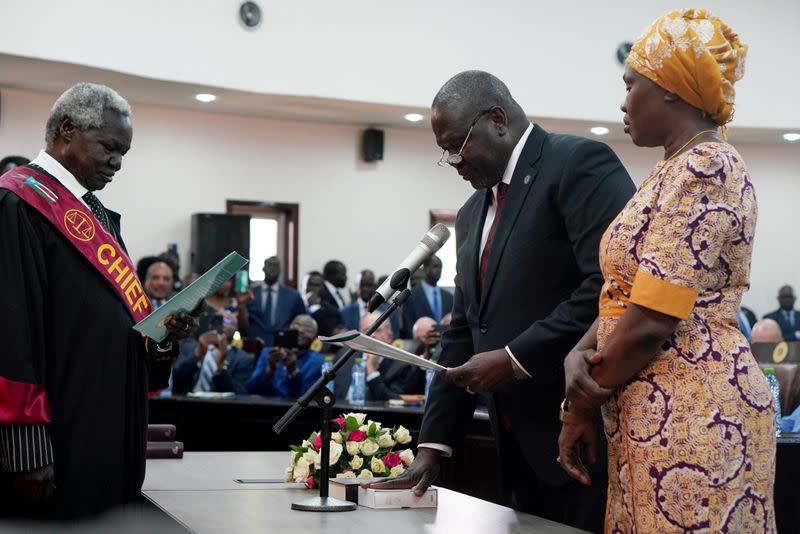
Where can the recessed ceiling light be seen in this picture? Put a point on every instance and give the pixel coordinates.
(413, 117)
(205, 97)
(792, 136)
(599, 130)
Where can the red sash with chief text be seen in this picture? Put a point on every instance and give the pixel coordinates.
(80, 227)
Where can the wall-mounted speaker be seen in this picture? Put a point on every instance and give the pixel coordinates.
(214, 235)
(372, 144)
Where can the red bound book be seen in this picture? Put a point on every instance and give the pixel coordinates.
(161, 432)
(165, 449)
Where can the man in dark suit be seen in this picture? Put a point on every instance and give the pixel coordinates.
(352, 314)
(334, 291)
(427, 299)
(787, 317)
(273, 306)
(224, 368)
(527, 289)
(386, 379)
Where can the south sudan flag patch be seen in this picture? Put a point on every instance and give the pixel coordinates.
(44, 191)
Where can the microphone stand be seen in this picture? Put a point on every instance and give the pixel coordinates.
(322, 395)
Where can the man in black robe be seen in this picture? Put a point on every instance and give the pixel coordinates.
(67, 334)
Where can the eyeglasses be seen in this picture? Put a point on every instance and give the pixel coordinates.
(452, 160)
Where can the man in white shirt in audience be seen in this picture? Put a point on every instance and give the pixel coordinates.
(158, 283)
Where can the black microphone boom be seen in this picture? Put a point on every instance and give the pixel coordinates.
(431, 242)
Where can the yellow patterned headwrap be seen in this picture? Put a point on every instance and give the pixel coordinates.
(694, 55)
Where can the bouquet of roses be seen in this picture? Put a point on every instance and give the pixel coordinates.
(359, 449)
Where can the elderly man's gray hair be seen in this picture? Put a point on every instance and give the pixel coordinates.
(84, 104)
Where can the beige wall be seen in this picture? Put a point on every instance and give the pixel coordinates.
(368, 215)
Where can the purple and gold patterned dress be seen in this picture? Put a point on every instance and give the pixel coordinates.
(691, 438)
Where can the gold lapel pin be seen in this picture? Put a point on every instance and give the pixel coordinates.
(527, 179)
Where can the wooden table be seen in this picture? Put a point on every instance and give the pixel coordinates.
(200, 492)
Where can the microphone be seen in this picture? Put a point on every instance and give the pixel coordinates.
(431, 242)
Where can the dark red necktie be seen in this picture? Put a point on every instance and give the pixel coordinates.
(502, 188)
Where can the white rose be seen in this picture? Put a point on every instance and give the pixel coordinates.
(377, 466)
(385, 440)
(358, 417)
(336, 452)
(306, 444)
(396, 471)
(301, 470)
(356, 462)
(287, 476)
(317, 460)
(309, 457)
(293, 455)
(353, 447)
(364, 428)
(346, 474)
(402, 435)
(407, 456)
(365, 473)
(337, 437)
(369, 447)
(377, 425)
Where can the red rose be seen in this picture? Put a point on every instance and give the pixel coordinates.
(392, 459)
(318, 442)
(357, 436)
(341, 422)
(310, 482)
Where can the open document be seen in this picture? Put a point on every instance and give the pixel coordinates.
(187, 300)
(369, 345)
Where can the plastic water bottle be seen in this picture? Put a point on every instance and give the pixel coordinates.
(772, 380)
(327, 365)
(428, 379)
(358, 383)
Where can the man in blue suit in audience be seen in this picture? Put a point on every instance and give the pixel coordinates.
(273, 306)
(353, 313)
(427, 299)
(288, 372)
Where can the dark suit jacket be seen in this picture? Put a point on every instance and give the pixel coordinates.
(540, 293)
(788, 333)
(290, 305)
(389, 385)
(351, 318)
(186, 371)
(418, 306)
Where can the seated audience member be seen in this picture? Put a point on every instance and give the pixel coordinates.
(427, 299)
(787, 317)
(10, 162)
(143, 264)
(744, 323)
(428, 340)
(766, 331)
(220, 301)
(158, 283)
(750, 315)
(273, 306)
(325, 312)
(288, 372)
(200, 369)
(174, 261)
(352, 313)
(385, 377)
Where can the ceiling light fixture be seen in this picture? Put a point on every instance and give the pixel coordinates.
(205, 97)
(599, 130)
(791, 137)
(413, 117)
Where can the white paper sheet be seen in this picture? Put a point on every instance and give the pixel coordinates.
(369, 345)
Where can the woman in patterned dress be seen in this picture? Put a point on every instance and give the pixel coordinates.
(686, 409)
